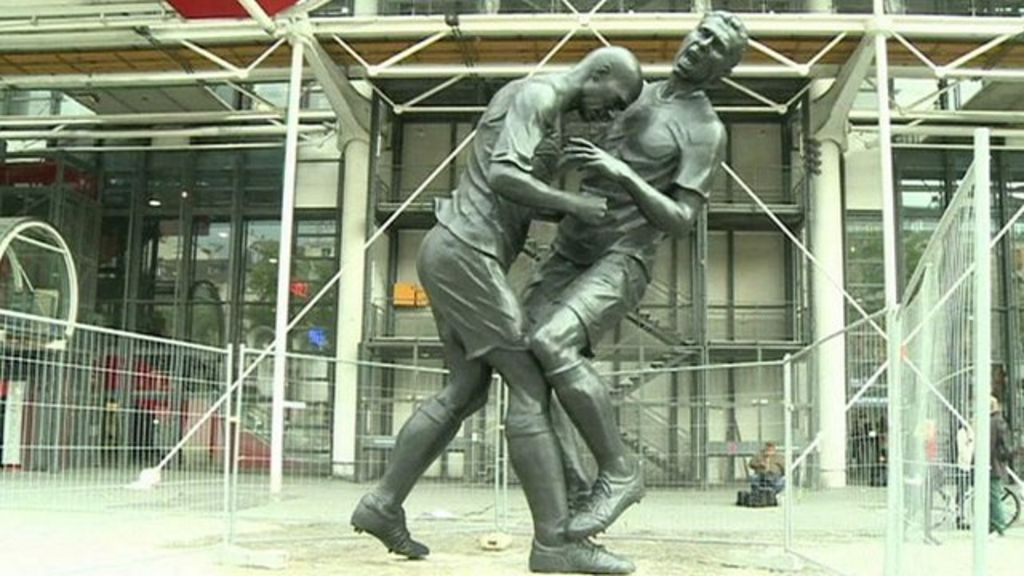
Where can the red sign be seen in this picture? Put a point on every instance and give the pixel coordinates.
(299, 289)
(47, 173)
(225, 8)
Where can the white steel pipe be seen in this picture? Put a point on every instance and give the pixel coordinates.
(787, 417)
(204, 132)
(284, 261)
(982, 359)
(87, 32)
(220, 117)
(258, 14)
(894, 493)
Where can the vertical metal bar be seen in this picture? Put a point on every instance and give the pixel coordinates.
(284, 261)
(226, 444)
(504, 461)
(496, 438)
(699, 419)
(982, 348)
(894, 531)
(235, 429)
(787, 416)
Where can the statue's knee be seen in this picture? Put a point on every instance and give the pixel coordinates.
(464, 398)
(520, 423)
(475, 403)
(439, 411)
(549, 348)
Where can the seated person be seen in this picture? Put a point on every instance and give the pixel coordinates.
(769, 470)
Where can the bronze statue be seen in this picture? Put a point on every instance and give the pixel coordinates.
(650, 180)
(462, 265)
(655, 171)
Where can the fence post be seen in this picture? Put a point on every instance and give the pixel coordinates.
(894, 447)
(236, 436)
(226, 445)
(787, 415)
(497, 460)
(982, 349)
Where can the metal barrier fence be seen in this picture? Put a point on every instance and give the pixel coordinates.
(836, 518)
(466, 486)
(694, 444)
(84, 409)
(92, 407)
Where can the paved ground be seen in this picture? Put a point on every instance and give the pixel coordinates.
(692, 533)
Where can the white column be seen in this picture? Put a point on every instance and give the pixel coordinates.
(829, 310)
(350, 302)
(829, 306)
(284, 266)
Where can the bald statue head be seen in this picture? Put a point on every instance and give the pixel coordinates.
(711, 50)
(611, 79)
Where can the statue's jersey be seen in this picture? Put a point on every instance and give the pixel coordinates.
(669, 142)
(519, 117)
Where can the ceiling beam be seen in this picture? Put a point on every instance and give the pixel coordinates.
(129, 134)
(150, 119)
(91, 33)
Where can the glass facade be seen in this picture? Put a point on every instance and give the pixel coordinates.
(925, 182)
(190, 243)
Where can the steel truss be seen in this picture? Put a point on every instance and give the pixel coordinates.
(795, 47)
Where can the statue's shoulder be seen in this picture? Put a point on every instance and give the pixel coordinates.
(525, 97)
(522, 97)
(701, 123)
(539, 93)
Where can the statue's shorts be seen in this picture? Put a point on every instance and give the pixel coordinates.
(600, 294)
(472, 301)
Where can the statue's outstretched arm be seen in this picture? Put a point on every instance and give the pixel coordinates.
(674, 213)
(521, 187)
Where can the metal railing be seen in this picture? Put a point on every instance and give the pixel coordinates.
(85, 409)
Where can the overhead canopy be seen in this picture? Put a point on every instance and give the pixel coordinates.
(225, 8)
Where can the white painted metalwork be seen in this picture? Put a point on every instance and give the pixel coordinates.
(375, 69)
(825, 50)
(798, 243)
(915, 51)
(284, 270)
(894, 529)
(212, 57)
(15, 231)
(259, 15)
(945, 70)
(201, 132)
(94, 410)
(428, 93)
(982, 346)
(778, 108)
(800, 69)
(158, 118)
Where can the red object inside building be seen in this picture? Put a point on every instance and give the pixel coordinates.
(225, 8)
(47, 173)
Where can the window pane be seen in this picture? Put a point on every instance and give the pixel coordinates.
(261, 247)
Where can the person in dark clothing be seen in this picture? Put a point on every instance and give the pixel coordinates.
(768, 470)
(999, 444)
